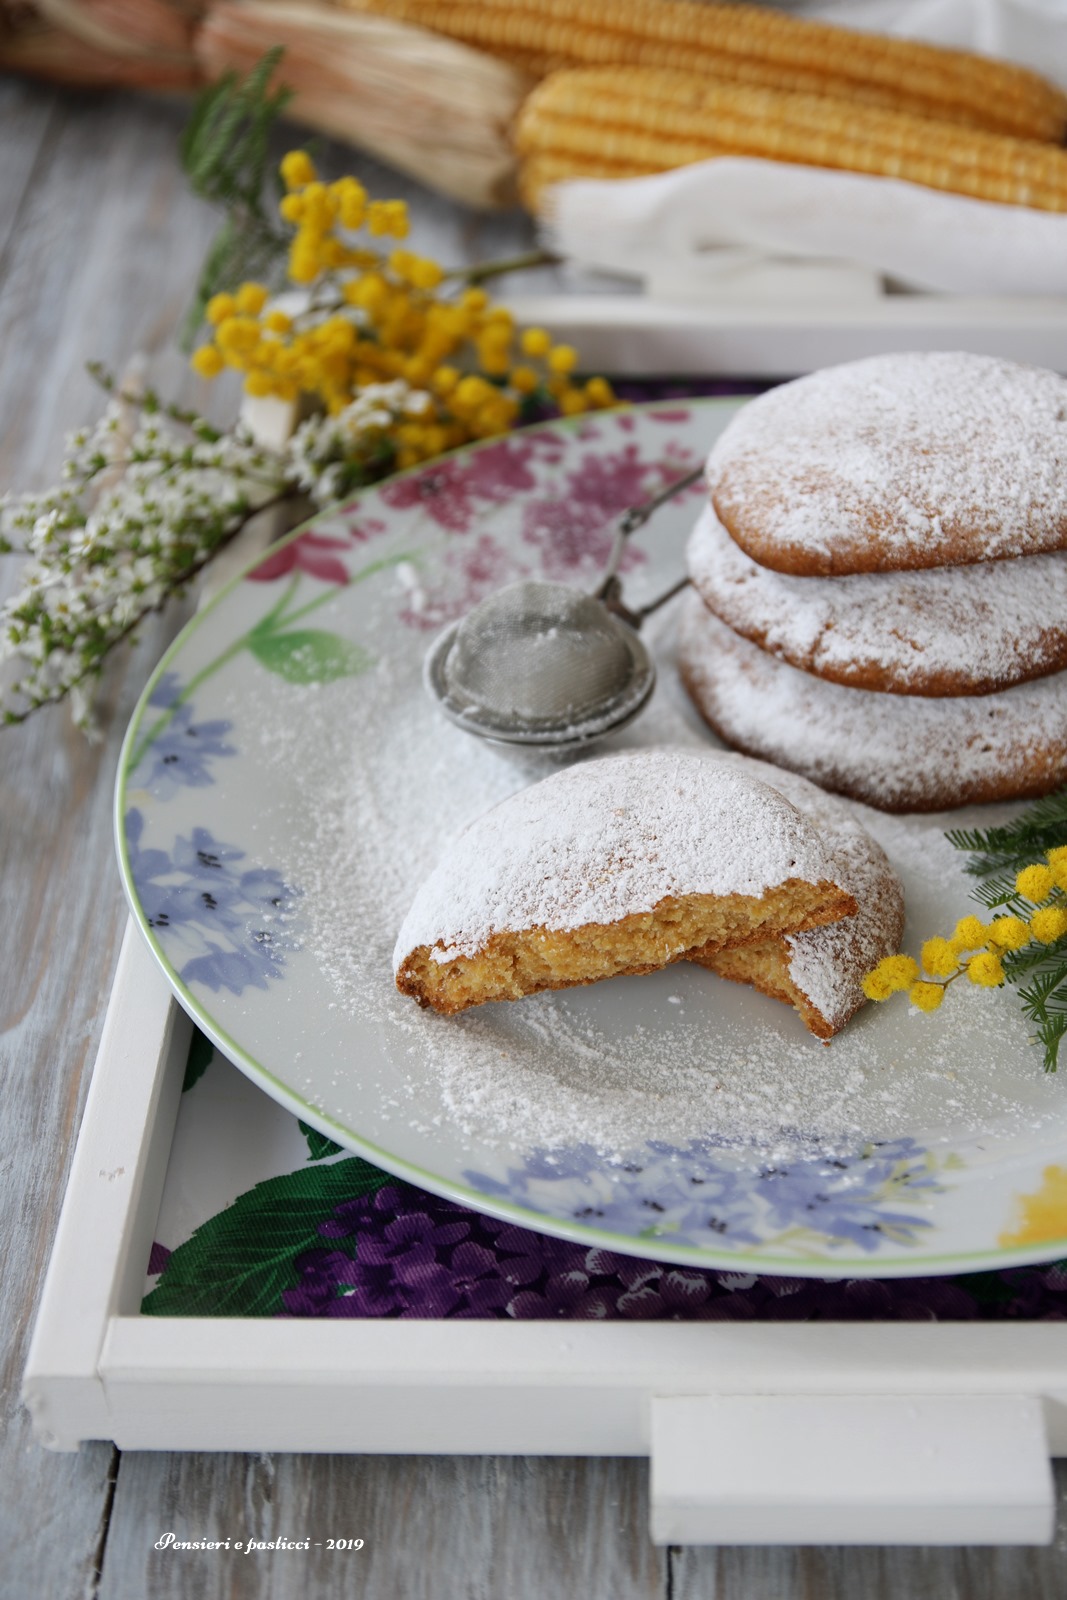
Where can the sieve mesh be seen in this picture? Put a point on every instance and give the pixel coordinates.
(540, 664)
(543, 664)
(539, 652)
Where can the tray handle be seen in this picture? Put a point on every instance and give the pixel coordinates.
(854, 1469)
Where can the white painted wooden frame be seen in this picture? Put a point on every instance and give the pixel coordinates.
(726, 334)
(99, 1370)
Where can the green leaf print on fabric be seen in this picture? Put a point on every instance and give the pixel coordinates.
(201, 1051)
(318, 1145)
(238, 1263)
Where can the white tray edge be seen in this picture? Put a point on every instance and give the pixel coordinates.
(636, 335)
(406, 1387)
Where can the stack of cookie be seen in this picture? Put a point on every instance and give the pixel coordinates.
(880, 581)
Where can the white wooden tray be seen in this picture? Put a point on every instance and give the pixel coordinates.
(736, 334)
(758, 1433)
(816, 1433)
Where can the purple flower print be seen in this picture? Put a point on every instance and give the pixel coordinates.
(704, 1194)
(401, 1253)
(219, 925)
(409, 1254)
(314, 552)
(181, 754)
(311, 553)
(469, 573)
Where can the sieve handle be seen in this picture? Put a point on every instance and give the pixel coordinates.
(636, 517)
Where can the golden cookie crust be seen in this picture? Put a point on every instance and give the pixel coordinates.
(619, 865)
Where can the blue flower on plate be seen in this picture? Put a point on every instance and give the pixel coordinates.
(219, 925)
(180, 755)
(716, 1196)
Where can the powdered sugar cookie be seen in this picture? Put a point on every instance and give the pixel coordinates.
(621, 865)
(819, 972)
(901, 753)
(937, 631)
(895, 463)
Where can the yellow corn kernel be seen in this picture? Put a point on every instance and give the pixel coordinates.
(749, 45)
(640, 119)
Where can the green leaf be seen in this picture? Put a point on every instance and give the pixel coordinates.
(239, 1263)
(309, 655)
(225, 146)
(996, 856)
(201, 1051)
(1041, 827)
(226, 155)
(318, 1144)
(238, 253)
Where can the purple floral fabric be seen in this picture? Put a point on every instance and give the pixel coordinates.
(401, 1253)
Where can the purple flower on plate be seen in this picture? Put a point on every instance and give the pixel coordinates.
(219, 925)
(469, 572)
(707, 1194)
(181, 754)
(311, 552)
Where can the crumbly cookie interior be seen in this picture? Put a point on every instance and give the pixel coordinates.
(514, 963)
(765, 966)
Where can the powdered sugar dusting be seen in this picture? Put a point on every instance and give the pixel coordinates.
(828, 963)
(900, 461)
(940, 631)
(375, 783)
(605, 840)
(902, 752)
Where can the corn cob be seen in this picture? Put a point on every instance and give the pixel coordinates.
(646, 121)
(749, 45)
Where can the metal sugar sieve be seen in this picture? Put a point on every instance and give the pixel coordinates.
(544, 664)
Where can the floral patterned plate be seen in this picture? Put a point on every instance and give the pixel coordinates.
(285, 784)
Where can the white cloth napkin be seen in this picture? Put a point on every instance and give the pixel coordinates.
(920, 238)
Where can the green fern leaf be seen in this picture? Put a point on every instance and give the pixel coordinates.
(997, 855)
(225, 152)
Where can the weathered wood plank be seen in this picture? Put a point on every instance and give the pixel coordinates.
(103, 242)
(465, 1528)
(60, 900)
(904, 1573)
(101, 265)
(27, 116)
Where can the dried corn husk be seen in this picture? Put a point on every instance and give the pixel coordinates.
(434, 108)
(33, 45)
(129, 27)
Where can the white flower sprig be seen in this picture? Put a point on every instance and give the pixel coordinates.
(147, 498)
(331, 455)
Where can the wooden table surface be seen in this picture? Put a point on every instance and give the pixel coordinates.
(99, 245)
